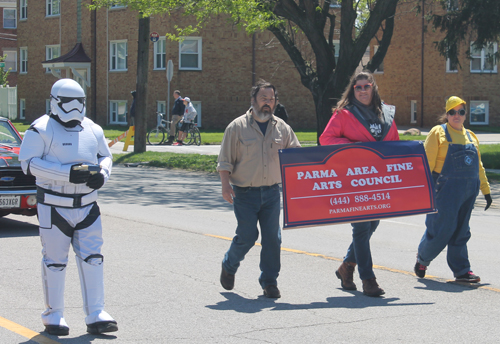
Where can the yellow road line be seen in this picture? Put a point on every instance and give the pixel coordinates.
(378, 267)
(25, 332)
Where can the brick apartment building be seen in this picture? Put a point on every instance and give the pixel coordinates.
(217, 68)
(8, 38)
(402, 85)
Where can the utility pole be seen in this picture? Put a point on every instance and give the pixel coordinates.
(142, 86)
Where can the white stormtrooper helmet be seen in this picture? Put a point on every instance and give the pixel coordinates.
(67, 100)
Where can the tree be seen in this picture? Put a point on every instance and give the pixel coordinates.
(477, 20)
(288, 20)
(4, 73)
(142, 86)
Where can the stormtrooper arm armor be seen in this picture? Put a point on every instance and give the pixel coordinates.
(32, 162)
(104, 156)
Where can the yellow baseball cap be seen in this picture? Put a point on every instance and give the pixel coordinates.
(454, 101)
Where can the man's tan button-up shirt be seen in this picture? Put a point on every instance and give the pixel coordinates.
(250, 157)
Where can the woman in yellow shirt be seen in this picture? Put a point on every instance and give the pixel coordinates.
(458, 173)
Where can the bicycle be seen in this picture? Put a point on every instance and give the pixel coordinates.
(156, 136)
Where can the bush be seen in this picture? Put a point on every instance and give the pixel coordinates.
(490, 156)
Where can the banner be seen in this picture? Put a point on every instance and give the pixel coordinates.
(355, 182)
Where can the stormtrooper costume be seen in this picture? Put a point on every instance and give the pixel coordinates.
(53, 150)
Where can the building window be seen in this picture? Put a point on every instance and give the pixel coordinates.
(52, 8)
(479, 112)
(118, 112)
(118, 5)
(23, 60)
(452, 5)
(9, 18)
(23, 6)
(160, 53)
(484, 60)
(47, 106)
(380, 68)
(451, 67)
(413, 109)
(118, 55)
(10, 60)
(52, 52)
(161, 107)
(22, 108)
(336, 45)
(190, 53)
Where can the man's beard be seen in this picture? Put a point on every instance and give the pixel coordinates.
(263, 115)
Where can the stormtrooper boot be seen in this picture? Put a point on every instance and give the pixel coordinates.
(53, 291)
(92, 283)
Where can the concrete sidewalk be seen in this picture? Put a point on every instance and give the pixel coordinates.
(117, 148)
(484, 137)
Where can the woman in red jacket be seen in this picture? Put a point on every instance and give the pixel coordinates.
(360, 116)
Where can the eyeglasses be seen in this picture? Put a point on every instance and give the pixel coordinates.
(453, 112)
(365, 87)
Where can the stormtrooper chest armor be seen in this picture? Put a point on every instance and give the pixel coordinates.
(72, 145)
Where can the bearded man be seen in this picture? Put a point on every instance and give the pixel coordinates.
(249, 168)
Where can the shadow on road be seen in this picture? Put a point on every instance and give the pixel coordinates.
(448, 286)
(12, 228)
(241, 304)
(43, 337)
(158, 186)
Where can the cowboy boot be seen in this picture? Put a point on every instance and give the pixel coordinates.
(345, 275)
(371, 288)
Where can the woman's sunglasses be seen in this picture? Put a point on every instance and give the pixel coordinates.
(365, 87)
(452, 112)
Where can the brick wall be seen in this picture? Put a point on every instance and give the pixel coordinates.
(400, 83)
(223, 85)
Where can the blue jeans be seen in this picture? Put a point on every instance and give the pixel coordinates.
(252, 205)
(359, 250)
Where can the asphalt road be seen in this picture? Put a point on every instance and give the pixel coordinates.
(165, 233)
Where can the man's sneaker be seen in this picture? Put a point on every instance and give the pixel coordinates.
(178, 144)
(468, 277)
(420, 269)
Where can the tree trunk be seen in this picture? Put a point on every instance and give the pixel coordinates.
(328, 80)
(142, 86)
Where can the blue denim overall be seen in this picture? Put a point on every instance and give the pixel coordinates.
(457, 187)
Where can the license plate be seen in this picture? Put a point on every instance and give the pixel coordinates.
(8, 201)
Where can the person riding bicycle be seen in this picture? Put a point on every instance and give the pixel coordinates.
(187, 120)
(177, 113)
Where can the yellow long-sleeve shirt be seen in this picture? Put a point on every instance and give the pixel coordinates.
(436, 148)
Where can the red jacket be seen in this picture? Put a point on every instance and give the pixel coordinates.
(345, 128)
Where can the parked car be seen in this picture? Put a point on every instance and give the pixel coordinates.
(17, 190)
